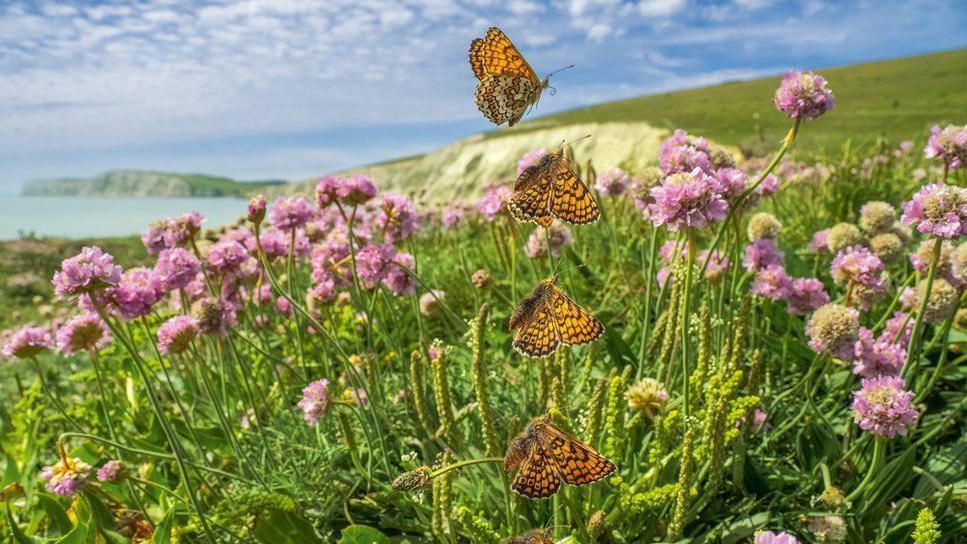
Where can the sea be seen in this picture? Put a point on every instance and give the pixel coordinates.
(94, 217)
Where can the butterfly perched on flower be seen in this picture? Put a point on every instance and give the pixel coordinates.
(507, 86)
(549, 318)
(551, 189)
(547, 456)
(533, 536)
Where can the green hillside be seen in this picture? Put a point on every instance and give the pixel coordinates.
(143, 183)
(897, 98)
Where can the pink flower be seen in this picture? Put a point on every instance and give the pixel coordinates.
(172, 232)
(884, 407)
(612, 182)
(772, 282)
(769, 537)
(819, 241)
(138, 290)
(256, 209)
(529, 159)
(176, 334)
(176, 268)
(315, 401)
(452, 217)
(397, 280)
(92, 270)
(397, 218)
(806, 295)
(937, 209)
(899, 328)
(348, 191)
(683, 153)
(948, 144)
(227, 257)
(26, 342)
(803, 95)
(493, 201)
(855, 264)
(283, 306)
(539, 242)
(112, 472)
(290, 213)
(372, 263)
(68, 476)
(729, 182)
(760, 254)
(430, 302)
(877, 356)
(686, 200)
(84, 332)
(833, 329)
(717, 265)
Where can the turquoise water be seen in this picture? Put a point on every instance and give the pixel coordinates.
(82, 217)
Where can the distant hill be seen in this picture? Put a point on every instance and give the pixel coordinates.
(140, 183)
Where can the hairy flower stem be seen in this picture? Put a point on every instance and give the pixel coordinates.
(910, 364)
(685, 314)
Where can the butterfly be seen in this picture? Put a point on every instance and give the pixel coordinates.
(546, 456)
(551, 189)
(548, 318)
(507, 86)
(533, 536)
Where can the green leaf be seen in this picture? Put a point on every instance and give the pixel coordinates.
(162, 532)
(362, 534)
(99, 513)
(80, 534)
(281, 527)
(18, 535)
(56, 514)
(946, 466)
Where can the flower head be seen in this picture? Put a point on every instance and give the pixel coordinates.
(887, 246)
(683, 153)
(806, 295)
(84, 332)
(763, 225)
(138, 290)
(68, 476)
(803, 95)
(315, 401)
(648, 395)
(761, 254)
(481, 279)
(529, 159)
(772, 282)
(937, 209)
(884, 407)
(26, 342)
(686, 199)
(112, 472)
(430, 302)
(552, 239)
(819, 242)
(717, 265)
(290, 213)
(348, 191)
(214, 316)
(843, 235)
(942, 301)
(876, 217)
(877, 356)
(833, 329)
(948, 144)
(397, 279)
(373, 263)
(176, 334)
(397, 218)
(452, 217)
(92, 270)
(769, 537)
(176, 268)
(493, 201)
(256, 209)
(612, 182)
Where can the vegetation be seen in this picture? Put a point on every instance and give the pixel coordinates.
(146, 183)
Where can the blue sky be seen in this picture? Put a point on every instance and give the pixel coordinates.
(289, 89)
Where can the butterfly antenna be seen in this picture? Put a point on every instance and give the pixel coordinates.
(565, 142)
(551, 90)
(555, 72)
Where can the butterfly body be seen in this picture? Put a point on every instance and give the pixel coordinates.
(546, 456)
(550, 189)
(548, 318)
(506, 85)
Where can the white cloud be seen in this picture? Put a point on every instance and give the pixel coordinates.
(660, 8)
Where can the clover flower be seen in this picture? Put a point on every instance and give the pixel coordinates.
(315, 401)
(493, 201)
(686, 199)
(531, 158)
(803, 95)
(761, 254)
(68, 476)
(176, 268)
(84, 332)
(112, 472)
(884, 407)
(553, 239)
(948, 144)
(806, 295)
(90, 271)
(683, 153)
(772, 282)
(176, 334)
(937, 209)
(833, 329)
(290, 213)
(26, 342)
(612, 182)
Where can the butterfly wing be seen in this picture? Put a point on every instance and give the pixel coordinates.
(571, 200)
(537, 334)
(495, 54)
(574, 324)
(576, 462)
(532, 192)
(503, 98)
(537, 477)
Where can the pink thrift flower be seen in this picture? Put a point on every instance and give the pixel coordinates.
(683, 153)
(176, 268)
(760, 254)
(531, 158)
(877, 356)
(948, 144)
(176, 334)
(283, 306)
(806, 295)
(803, 95)
(112, 472)
(899, 328)
(26, 342)
(493, 201)
(315, 401)
(290, 213)
(819, 242)
(84, 332)
(686, 200)
(138, 290)
(397, 280)
(772, 282)
(256, 209)
(227, 257)
(937, 209)
(397, 218)
(452, 217)
(67, 477)
(770, 537)
(884, 407)
(856, 264)
(372, 263)
(92, 270)
(430, 302)
(612, 182)
(717, 265)
(539, 242)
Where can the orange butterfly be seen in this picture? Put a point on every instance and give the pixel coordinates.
(547, 456)
(551, 189)
(507, 86)
(548, 318)
(533, 536)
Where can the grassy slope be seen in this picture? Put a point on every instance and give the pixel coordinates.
(148, 183)
(897, 98)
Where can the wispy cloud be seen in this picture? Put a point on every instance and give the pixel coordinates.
(109, 77)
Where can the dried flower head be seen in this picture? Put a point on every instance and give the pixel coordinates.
(647, 395)
(414, 480)
(887, 246)
(763, 225)
(843, 235)
(942, 302)
(833, 329)
(877, 216)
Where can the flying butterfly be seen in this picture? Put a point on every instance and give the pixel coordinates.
(507, 86)
(547, 456)
(551, 189)
(549, 318)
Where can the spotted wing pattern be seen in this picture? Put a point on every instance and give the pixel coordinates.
(571, 200)
(531, 198)
(537, 477)
(495, 54)
(503, 98)
(533, 536)
(538, 336)
(575, 325)
(576, 462)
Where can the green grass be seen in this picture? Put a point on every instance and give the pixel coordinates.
(897, 99)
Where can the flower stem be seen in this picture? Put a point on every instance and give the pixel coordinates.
(915, 339)
(878, 455)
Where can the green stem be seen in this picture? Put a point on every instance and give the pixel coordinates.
(878, 455)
